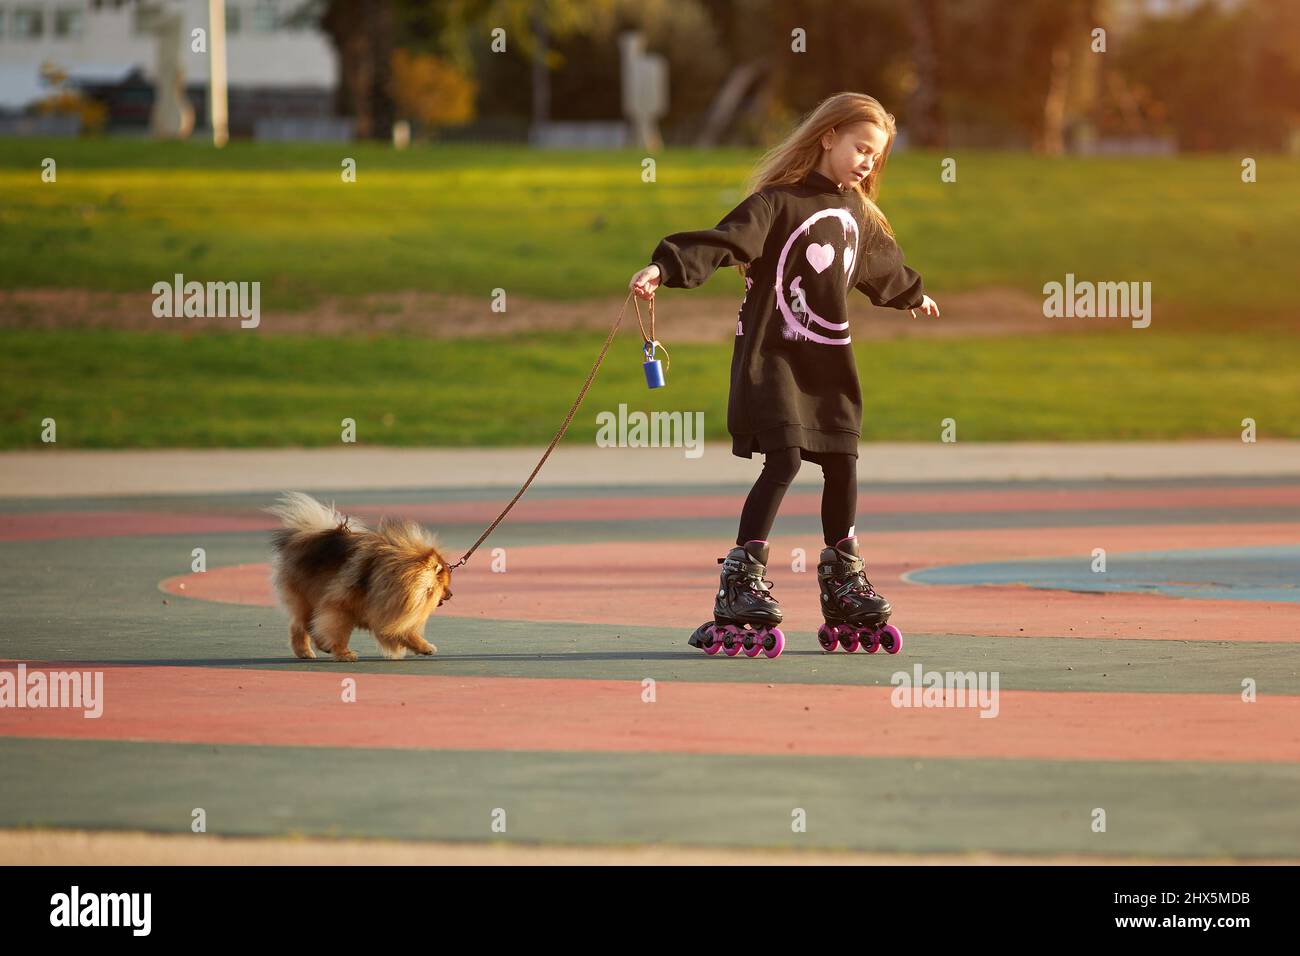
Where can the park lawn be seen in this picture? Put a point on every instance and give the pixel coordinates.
(469, 219)
(113, 389)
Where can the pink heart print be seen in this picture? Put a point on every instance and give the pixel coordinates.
(819, 257)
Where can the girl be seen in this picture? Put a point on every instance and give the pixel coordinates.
(808, 232)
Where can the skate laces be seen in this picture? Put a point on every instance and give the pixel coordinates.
(860, 575)
(755, 582)
(749, 579)
(856, 580)
(864, 583)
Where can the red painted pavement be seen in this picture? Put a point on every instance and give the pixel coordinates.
(50, 525)
(304, 708)
(94, 524)
(670, 584)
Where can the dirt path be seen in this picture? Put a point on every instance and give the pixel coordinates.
(680, 317)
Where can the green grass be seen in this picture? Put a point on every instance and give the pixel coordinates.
(468, 219)
(125, 214)
(110, 389)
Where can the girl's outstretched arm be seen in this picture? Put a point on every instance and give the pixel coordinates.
(686, 259)
(886, 280)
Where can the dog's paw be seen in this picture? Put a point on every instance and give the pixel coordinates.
(345, 657)
(306, 653)
(428, 650)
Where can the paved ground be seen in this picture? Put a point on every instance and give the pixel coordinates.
(1122, 694)
(52, 472)
(80, 848)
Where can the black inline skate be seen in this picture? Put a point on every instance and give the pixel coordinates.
(745, 614)
(856, 616)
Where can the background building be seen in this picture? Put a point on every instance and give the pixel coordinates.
(278, 67)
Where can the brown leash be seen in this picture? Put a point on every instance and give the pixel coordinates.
(649, 342)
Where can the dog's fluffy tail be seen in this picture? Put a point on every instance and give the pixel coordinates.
(300, 512)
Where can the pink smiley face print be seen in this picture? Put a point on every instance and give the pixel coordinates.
(812, 276)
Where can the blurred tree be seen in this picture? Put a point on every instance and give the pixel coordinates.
(1273, 52)
(430, 89)
(974, 72)
(1018, 72)
(929, 36)
(589, 84)
(519, 79)
(365, 34)
(859, 45)
(1223, 76)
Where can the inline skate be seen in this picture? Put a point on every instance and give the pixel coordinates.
(745, 615)
(856, 616)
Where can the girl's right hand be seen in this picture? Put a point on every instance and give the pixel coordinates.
(645, 282)
(928, 306)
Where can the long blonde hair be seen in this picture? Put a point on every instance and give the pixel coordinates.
(801, 151)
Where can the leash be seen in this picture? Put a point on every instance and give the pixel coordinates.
(649, 344)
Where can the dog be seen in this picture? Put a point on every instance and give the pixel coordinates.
(333, 575)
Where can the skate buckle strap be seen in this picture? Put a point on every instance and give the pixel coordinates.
(754, 581)
(750, 578)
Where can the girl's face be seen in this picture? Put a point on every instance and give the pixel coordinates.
(853, 152)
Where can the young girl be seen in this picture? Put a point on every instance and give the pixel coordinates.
(808, 232)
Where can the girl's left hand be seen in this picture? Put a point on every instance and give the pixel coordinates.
(928, 306)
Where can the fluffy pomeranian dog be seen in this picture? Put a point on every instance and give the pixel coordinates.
(333, 575)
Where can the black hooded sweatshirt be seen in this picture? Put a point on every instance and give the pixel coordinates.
(794, 381)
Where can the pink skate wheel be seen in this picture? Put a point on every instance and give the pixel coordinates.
(754, 642)
(891, 639)
(715, 639)
(828, 638)
(732, 640)
(871, 640)
(850, 639)
(774, 643)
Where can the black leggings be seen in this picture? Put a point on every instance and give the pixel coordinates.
(839, 495)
